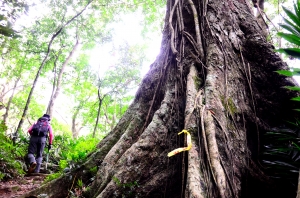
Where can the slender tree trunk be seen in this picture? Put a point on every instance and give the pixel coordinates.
(74, 130)
(2, 95)
(259, 4)
(30, 93)
(59, 80)
(98, 111)
(10, 100)
(106, 123)
(54, 82)
(5, 116)
(114, 117)
(41, 67)
(214, 78)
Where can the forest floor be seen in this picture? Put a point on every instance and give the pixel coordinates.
(19, 186)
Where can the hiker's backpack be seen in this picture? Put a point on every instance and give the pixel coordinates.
(41, 128)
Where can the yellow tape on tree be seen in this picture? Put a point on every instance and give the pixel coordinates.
(189, 144)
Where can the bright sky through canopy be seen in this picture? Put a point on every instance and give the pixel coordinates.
(128, 30)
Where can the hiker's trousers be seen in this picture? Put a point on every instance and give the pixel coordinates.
(35, 151)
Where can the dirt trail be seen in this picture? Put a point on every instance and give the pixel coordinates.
(19, 186)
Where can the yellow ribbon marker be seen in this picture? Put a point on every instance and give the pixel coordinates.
(189, 144)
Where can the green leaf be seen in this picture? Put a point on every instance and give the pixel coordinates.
(290, 37)
(292, 16)
(297, 11)
(294, 88)
(296, 145)
(291, 28)
(285, 72)
(296, 98)
(294, 26)
(294, 52)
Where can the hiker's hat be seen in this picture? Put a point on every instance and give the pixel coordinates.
(46, 116)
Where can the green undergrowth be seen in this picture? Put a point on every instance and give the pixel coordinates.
(66, 154)
(69, 153)
(11, 156)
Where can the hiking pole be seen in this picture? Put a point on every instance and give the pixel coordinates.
(47, 157)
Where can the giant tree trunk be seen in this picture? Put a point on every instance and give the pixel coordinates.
(215, 78)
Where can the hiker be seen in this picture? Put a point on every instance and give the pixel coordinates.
(38, 136)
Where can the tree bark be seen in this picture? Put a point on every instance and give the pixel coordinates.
(215, 78)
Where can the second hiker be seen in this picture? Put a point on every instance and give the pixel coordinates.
(38, 135)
